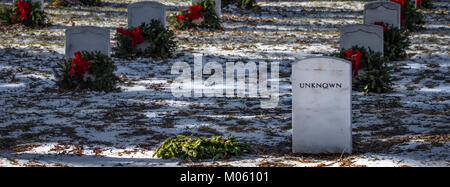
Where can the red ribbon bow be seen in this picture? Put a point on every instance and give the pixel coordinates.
(79, 65)
(353, 56)
(22, 9)
(136, 34)
(385, 28)
(194, 13)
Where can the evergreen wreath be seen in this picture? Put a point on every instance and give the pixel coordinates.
(23, 12)
(396, 41)
(411, 19)
(88, 70)
(424, 4)
(197, 148)
(156, 41)
(200, 15)
(376, 76)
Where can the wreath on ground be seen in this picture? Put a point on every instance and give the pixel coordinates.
(424, 4)
(23, 12)
(87, 70)
(244, 4)
(197, 148)
(200, 15)
(147, 40)
(411, 18)
(375, 74)
(396, 41)
(67, 3)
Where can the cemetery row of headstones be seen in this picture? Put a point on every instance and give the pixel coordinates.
(369, 35)
(90, 38)
(365, 35)
(322, 86)
(379, 11)
(321, 104)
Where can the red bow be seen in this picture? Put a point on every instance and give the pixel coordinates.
(385, 28)
(79, 65)
(194, 13)
(136, 34)
(22, 10)
(401, 2)
(353, 56)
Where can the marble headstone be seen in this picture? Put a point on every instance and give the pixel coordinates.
(145, 11)
(368, 36)
(382, 11)
(321, 105)
(218, 6)
(87, 38)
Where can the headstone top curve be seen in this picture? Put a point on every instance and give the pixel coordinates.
(385, 4)
(368, 28)
(323, 57)
(83, 28)
(140, 3)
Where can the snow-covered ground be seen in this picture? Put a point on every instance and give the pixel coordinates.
(40, 126)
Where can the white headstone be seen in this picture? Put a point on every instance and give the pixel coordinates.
(368, 36)
(87, 38)
(145, 11)
(382, 11)
(218, 6)
(321, 105)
